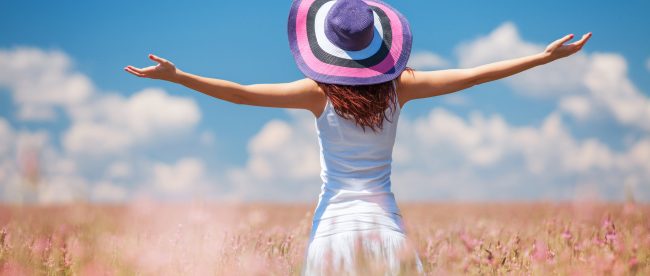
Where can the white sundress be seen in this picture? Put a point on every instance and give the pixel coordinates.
(357, 220)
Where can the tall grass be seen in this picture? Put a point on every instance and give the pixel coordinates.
(145, 238)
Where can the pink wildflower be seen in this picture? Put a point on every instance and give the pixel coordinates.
(607, 222)
(41, 247)
(566, 235)
(469, 242)
(633, 264)
(540, 251)
(610, 237)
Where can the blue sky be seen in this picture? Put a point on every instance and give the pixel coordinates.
(247, 42)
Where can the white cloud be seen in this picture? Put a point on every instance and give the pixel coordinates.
(119, 169)
(502, 43)
(40, 81)
(6, 137)
(98, 148)
(184, 176)
(283, 162)
(96, 139)
(638, 156)
(109, 192)
(9, 190)
(610, 87)
(550, 80)
(33, 171)
(486, 141)
(579, 107)
(62, 189)
(152, 111)
(424, 60)
(474, 158)
(585, 84)
(444, 156)
(113, 124)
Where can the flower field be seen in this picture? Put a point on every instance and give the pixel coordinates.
(147, 238)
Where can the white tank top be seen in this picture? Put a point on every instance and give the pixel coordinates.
(355, 170)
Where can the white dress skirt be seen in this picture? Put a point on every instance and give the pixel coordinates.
(361, 244)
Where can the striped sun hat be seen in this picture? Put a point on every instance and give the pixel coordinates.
(350, 42)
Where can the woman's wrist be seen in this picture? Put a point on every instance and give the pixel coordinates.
(177, 77)
(545, 57)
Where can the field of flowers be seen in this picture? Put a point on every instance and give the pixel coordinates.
(146, 238)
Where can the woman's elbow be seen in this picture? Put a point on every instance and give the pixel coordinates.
(237, 100)
(240, 97)
(471, 78)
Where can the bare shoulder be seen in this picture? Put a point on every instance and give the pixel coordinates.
(404, 83)
(308, 85)
(315, 95)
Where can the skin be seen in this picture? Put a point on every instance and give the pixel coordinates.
(306, 94)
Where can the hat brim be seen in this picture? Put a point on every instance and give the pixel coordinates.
(319, 59)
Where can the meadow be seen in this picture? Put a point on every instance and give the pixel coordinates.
(149, 238)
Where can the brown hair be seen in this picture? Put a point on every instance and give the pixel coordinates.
(365, 104)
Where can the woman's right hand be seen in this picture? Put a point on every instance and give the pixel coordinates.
(165, 70)
(557, 49)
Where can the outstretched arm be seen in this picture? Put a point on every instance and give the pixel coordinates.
(417, 84)
(302, 94)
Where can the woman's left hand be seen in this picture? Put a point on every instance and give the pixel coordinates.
(557, 49)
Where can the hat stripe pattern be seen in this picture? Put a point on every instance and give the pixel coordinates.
(316, 31)
(326, 68)
(332, 54)
(319, 59)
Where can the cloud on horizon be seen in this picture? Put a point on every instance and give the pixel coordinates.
(444, 156)
(99, 155)
(103, 155)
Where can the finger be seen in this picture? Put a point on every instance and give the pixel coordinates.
(141, 71)
(558, 43)
(583, 40)
(130, 70)
(564, 39)
(134, 72)
(135, 69)
(158, 59)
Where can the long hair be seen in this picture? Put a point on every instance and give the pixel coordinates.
(367, 105)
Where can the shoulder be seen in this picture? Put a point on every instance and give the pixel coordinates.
(404, 84)
(406, 79)
(308, 86)
(315, 94)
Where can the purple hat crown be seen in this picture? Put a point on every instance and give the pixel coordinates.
(350, 25)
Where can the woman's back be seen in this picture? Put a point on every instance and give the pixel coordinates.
(356, 202)
(355, 165)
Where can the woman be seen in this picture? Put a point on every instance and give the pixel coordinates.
(354, 55)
